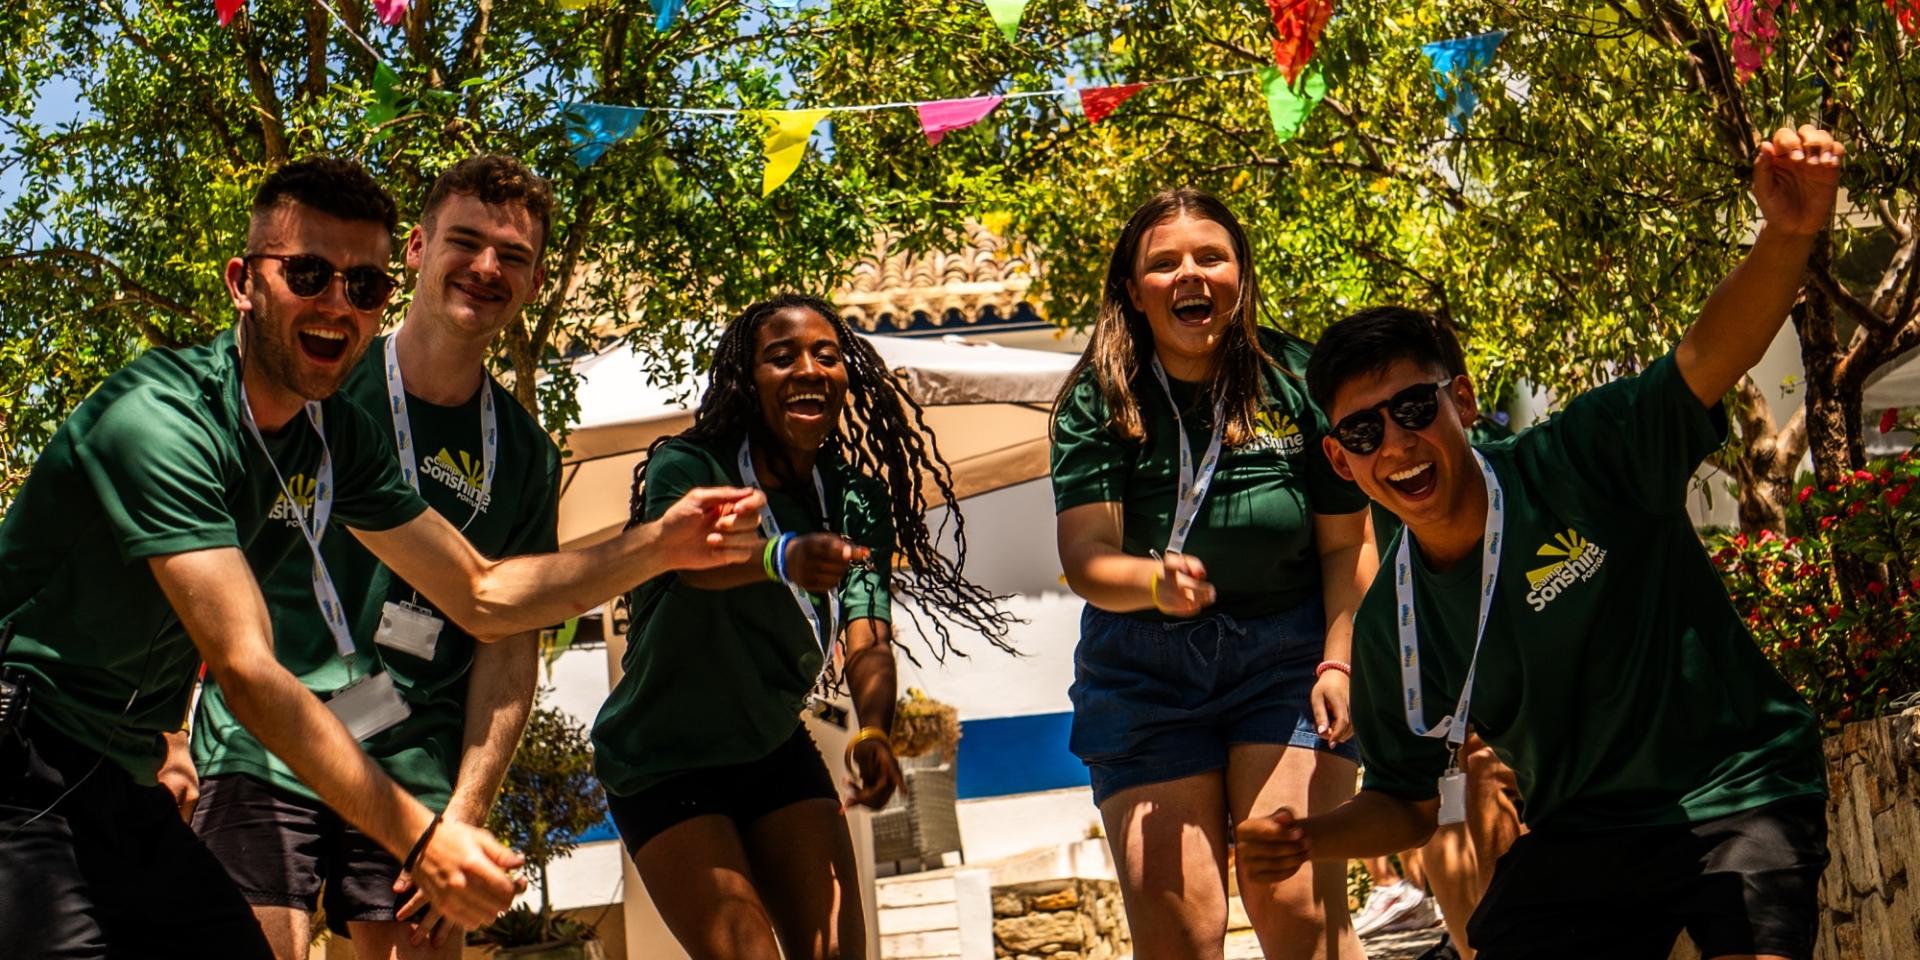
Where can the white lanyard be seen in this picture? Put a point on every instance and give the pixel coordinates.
(770, 528)
(330, 608)
(1192, 489)
(403, 432)
(1454, 727)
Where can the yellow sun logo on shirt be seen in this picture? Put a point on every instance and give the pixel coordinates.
(1570, 546)
(466, 467)
(1274, 430)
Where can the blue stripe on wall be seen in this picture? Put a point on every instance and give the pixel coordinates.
(1006, 755)
(999, 756)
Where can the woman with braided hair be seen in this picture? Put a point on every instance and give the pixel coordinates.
(718, 792)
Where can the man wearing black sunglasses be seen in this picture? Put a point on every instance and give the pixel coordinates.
(1552, 590)
(132, 554)
(486, 465)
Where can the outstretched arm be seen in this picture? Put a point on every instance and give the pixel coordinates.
(462, 869)
(492, 598)
(1372, 824)
(1795, 179)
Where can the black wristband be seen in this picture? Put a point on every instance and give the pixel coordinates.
(420, 845)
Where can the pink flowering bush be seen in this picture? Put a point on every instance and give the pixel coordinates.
(1850, 656)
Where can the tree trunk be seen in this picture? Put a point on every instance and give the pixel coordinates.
(1833, 415)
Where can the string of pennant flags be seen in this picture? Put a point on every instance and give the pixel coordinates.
(1292, 85)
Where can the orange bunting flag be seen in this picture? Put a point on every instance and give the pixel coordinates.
(225, 9)
(1297, 25)
(1099, 102)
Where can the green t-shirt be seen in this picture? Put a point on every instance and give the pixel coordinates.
(718, 677)
(422, 752)
(1615, 677)
(158, 461)
(1255, 528)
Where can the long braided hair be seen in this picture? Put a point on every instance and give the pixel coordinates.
(883, 434)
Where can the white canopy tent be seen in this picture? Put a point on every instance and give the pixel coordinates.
(986, 404)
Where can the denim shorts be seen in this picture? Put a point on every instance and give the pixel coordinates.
(1159, 701)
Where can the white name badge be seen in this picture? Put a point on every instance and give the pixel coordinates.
(409, 629)
(1453, 797)
(369, 705)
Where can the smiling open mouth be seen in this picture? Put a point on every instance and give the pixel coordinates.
(1415, 481)
(808, 404)
(1192, 309)
(322, 344)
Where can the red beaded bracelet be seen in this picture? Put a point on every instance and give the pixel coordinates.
(1325, 665)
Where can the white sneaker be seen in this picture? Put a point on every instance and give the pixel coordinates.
(1421, 915)
(1386, 904)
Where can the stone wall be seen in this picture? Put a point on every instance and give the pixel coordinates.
(1075, 919)
(1868, 902)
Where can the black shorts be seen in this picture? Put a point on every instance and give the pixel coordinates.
(744, 792)
(1743, 883)
(94, 866)
(283, 850)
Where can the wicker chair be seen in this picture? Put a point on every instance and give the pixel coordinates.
(920, 823)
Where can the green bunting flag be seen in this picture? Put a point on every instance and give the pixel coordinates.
(1289, 103)
(1006, 13)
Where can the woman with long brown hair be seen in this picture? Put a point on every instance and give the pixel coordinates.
(1221, 560)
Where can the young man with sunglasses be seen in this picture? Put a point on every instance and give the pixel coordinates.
(131, 554)
(482, 462)
(1551, 589)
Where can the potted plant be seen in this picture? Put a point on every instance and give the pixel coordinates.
(549, 798)
(923, 725)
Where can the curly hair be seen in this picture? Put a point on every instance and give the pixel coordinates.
(331, 185)
(883, 434)
(494, 179)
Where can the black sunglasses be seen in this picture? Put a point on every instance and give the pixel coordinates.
(308, 275)
(1362, 431)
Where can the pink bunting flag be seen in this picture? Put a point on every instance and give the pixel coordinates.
(1752, 27)
(941, 116)
(391, 11)
(225, 9)
(1099, 102)
(1297, 25)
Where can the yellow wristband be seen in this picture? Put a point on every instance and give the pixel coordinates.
(1153, 593)
(865, 734)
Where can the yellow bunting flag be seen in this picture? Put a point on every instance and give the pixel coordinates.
(1006, 14)
(786, 143)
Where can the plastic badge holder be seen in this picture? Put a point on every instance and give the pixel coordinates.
(369, 706)
(1453, 797)
(409, 629)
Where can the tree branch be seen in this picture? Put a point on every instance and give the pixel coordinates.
(210, 99)
(316, 82)
(1859, 312)
(474, 43)
(131, 291)
(260, 83)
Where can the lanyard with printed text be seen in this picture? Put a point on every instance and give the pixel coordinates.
(403, 432)
(770, 528)
(330, 608)
(1453, 727)
(1193, 488)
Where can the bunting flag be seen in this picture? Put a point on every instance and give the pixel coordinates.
(573, 4)
(1907, 12)
(391, 12)
(786, 143)
(594, 128)
(225, 9)
(663, 13)
(1006, 13)
(1099, 102)
(1289, 103)
(1752, 28)
(386, 95)
(1452, 60)
(940, 116)
(1297, 25)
